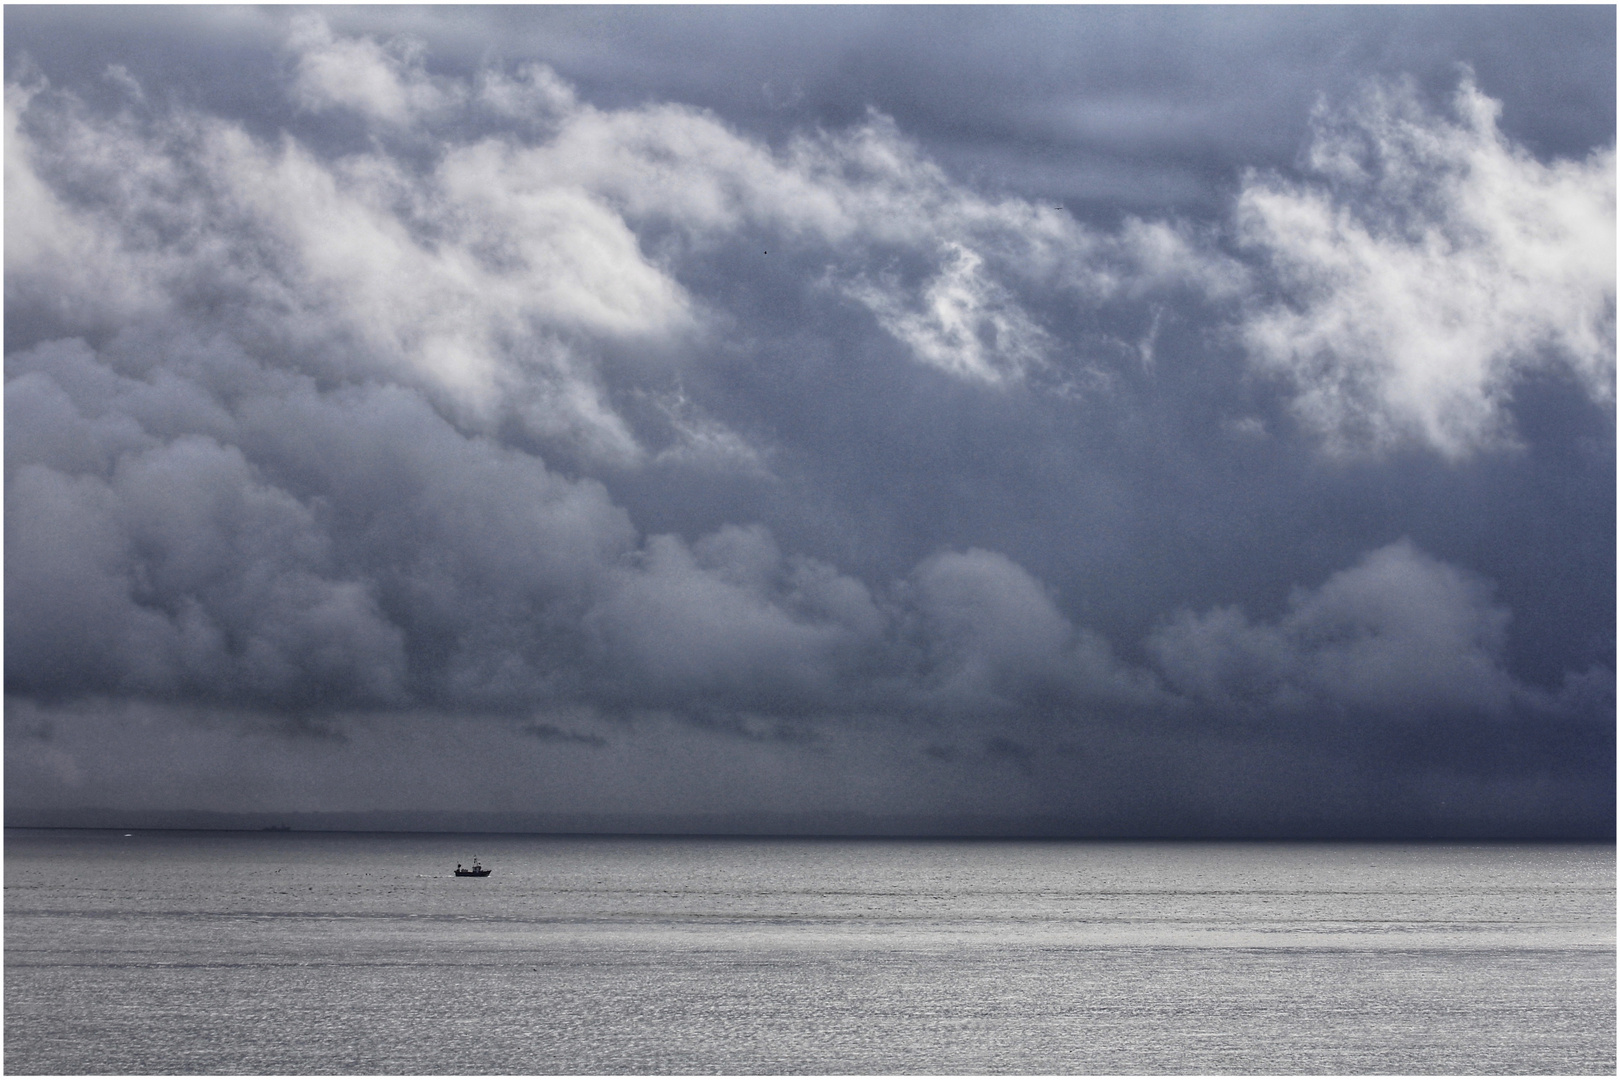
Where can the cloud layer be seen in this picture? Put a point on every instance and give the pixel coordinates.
(455, 399)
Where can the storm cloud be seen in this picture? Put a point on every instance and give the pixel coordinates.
(412, 428)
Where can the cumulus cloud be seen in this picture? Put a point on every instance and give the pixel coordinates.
(385, 81)
(492, 263)
(487, 295)
(995, 638)
(181, 575)
(183, 522)
(194, 526)
(709, 620)
(351, 548)
(1400, 634)
(57, 258)
(1426, 267)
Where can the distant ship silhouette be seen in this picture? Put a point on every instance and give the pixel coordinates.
(474, 871)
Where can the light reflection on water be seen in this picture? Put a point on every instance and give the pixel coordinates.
(353, 953)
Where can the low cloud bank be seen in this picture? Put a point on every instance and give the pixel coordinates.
(187, 524)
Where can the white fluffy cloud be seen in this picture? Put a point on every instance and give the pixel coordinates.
(57, 257)
(494, 275)
(1430, 264)
(385, 81)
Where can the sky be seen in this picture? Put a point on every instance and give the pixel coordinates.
(1116, 421)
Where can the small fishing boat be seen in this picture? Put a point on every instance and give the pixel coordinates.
(471, 871)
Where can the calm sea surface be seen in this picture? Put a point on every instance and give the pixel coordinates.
(359, 953)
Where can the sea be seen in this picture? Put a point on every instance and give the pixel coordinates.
(349, 953)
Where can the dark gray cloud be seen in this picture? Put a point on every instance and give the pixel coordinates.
(432, 395)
